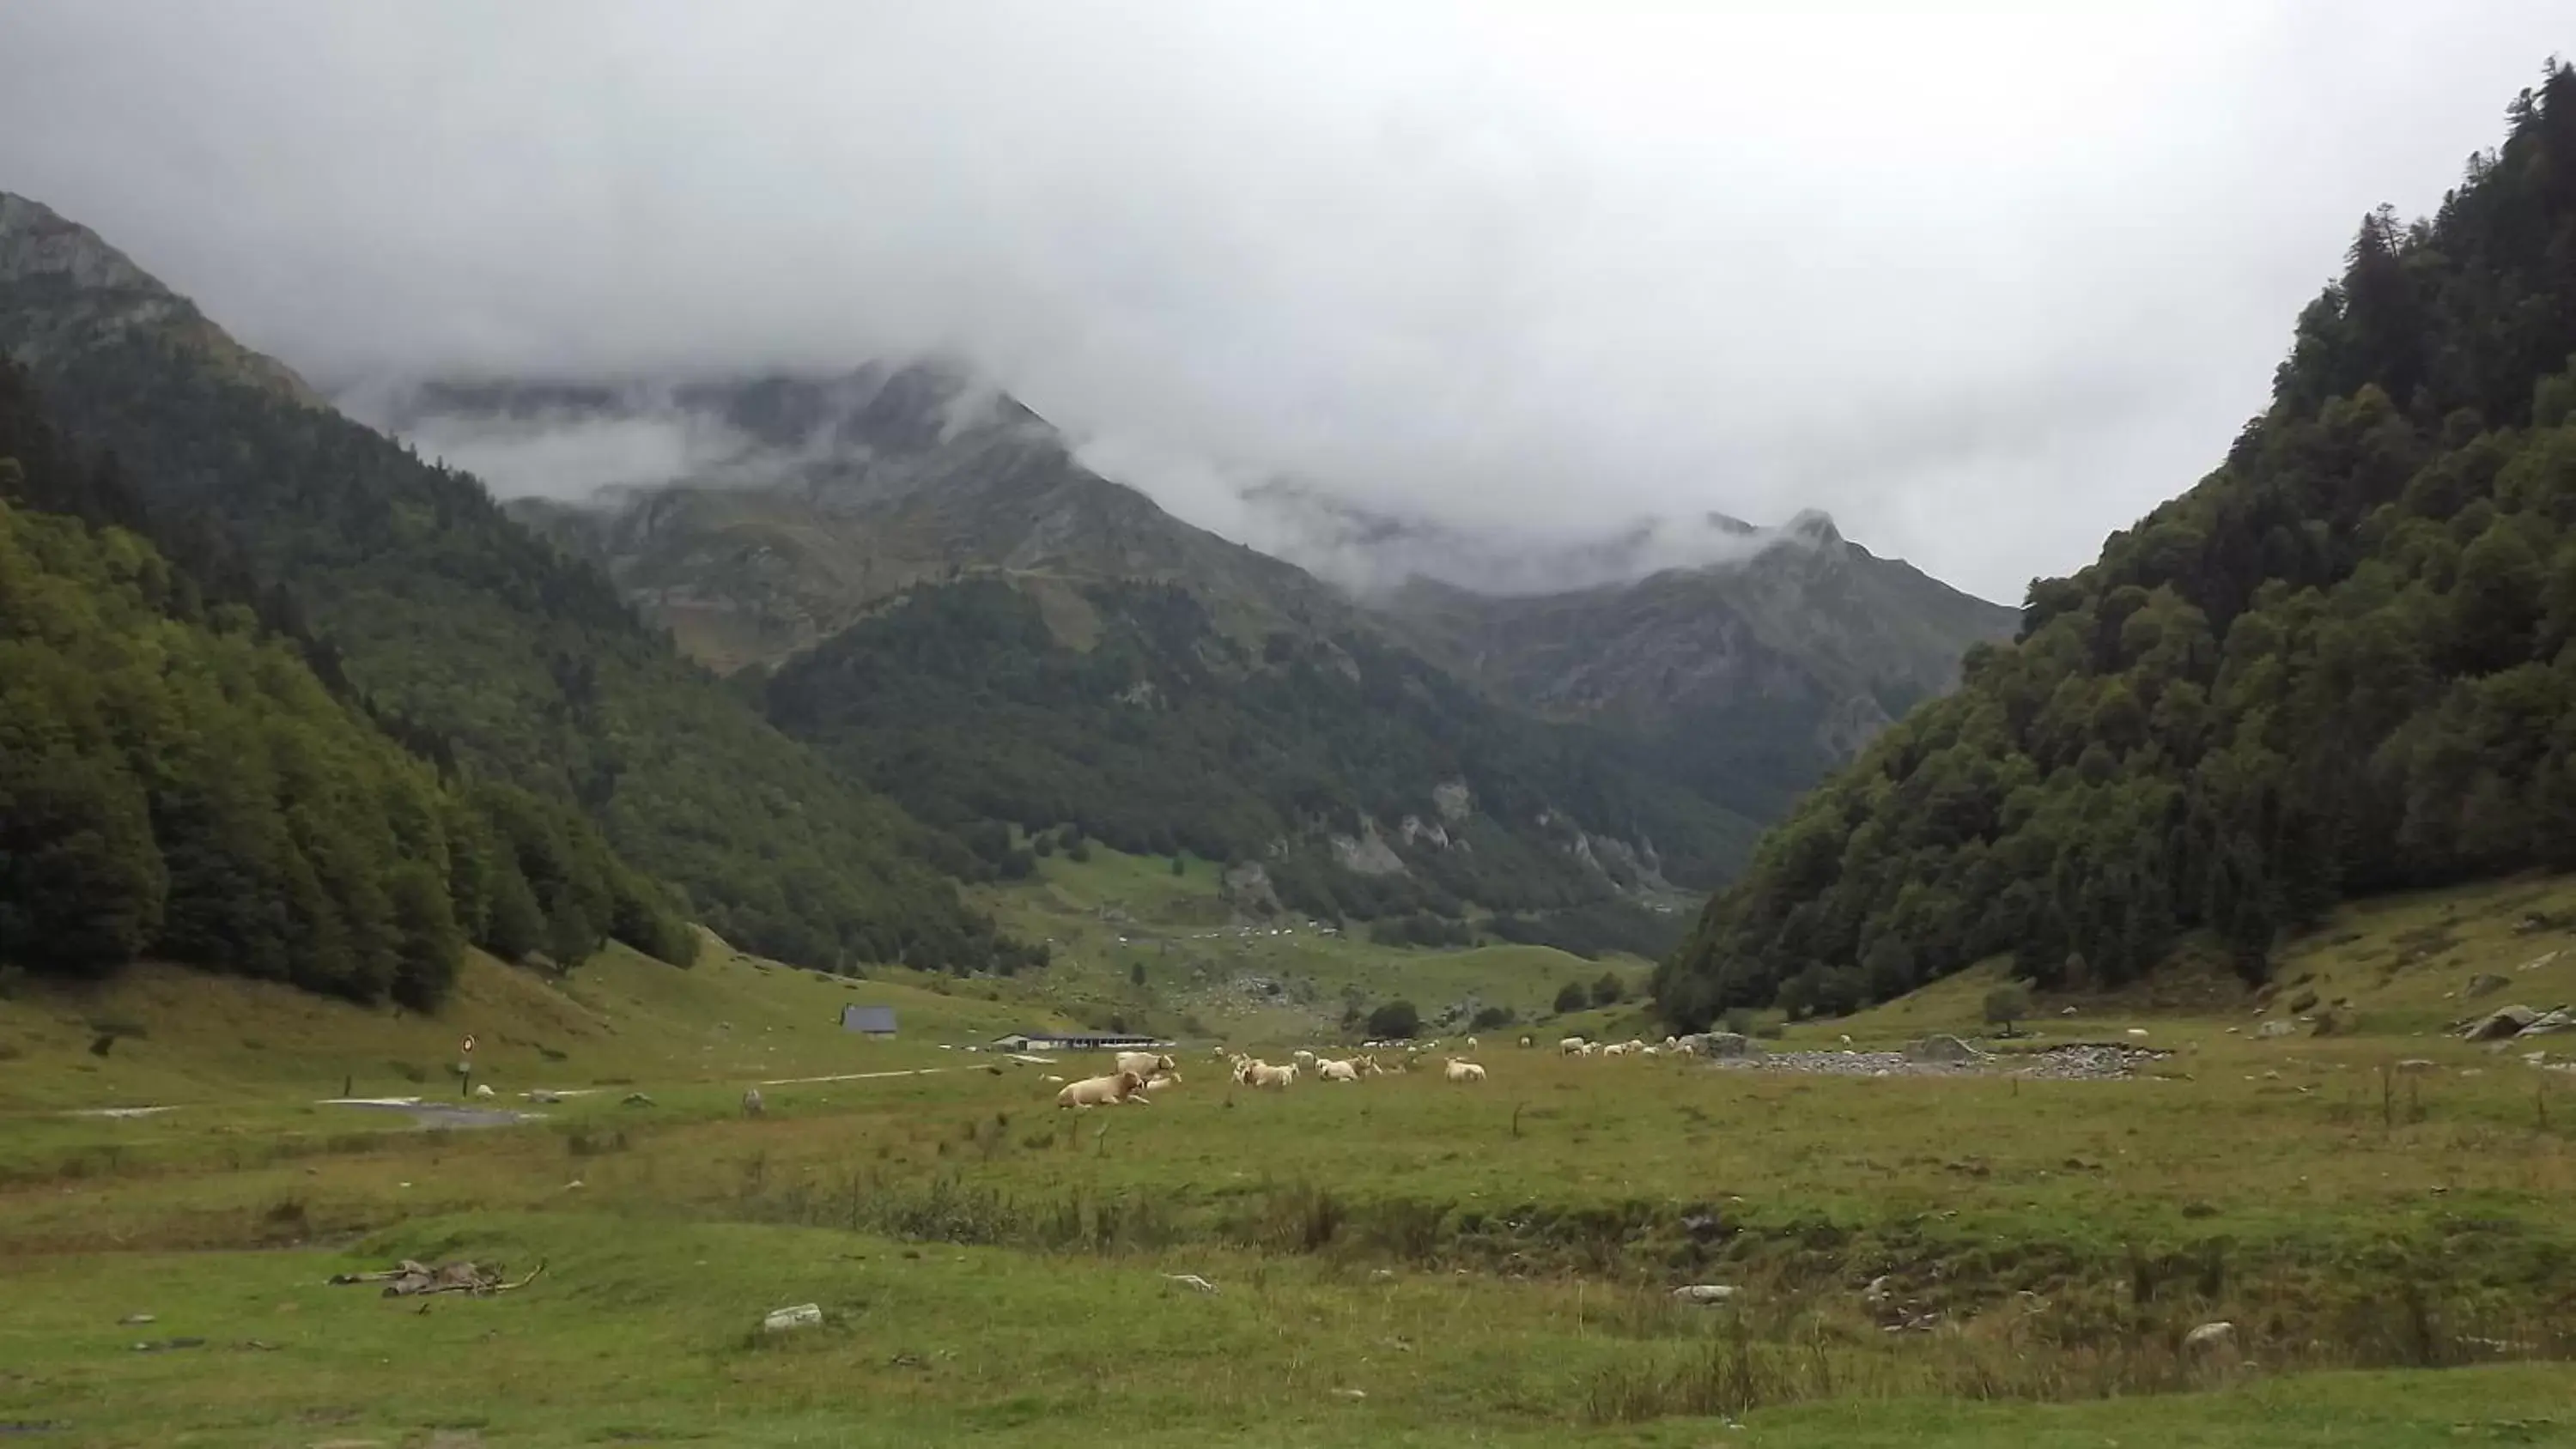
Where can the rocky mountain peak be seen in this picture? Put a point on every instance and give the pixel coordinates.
(69, 292)
(36, 240)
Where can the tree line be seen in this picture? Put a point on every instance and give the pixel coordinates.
(177, 777)
(2343, 663)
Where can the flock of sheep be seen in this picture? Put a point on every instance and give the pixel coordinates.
(1137, 1075)
(1575, 1046)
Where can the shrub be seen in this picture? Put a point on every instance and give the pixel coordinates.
(1395, 1021)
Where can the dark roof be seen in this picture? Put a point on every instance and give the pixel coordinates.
(867, 1018)
(1097, 1038)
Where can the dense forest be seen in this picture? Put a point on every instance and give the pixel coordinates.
(2344, 663)
(498, 654)
(1166, 735)
(176, 778)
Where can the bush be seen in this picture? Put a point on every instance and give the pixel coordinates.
(1395, 1021)
(1572, 997)
(1608, 990)
(1487, 1018)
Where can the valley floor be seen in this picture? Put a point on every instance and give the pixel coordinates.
(1969, 1260)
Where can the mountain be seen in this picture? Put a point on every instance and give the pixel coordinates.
(183, 773)
(769, 519)
(1750, 676)
(1360, 779)
(2345, 662)
(494, 649)
(762, 515)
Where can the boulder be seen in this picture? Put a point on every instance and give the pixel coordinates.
(2271, 1029)
(1729, 1044)
(801, 1315)
(1941, 1047)
(2560, 1020)
(2210, 1338)
(2501, 1023)
(1705, 1293)
(2485, 983)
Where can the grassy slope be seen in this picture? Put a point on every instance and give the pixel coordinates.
(1194, 953)
(621, 1018)
(2396, 969)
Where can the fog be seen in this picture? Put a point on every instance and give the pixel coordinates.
(1982, 285)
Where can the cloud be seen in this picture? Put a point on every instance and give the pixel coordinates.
(1984, 283)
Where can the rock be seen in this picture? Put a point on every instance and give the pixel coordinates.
(2419, 1064)
(1350, 1393)
(752, 1103)
(1729, 1044)
(2501, 1023)
(2138, 1031)
(638, 1099)
(1382, 1275)
(1191, 1281)
(1366, 853)
(1940, 1047)
(1247, 888)
(2485, 983)
(1878, 1291)
(2066, 1011)
(2271, 1029)
(1705, 1293)
(131, 1319)
(2210, 1337)
(484, 1089)
(2559, 1020)
(801, 1315)
(541, 1095)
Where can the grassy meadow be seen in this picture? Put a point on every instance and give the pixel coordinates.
(1397, 1262)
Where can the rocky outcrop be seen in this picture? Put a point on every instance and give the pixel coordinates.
(1943, 1049)
(2503, 1022)
(1454, 801)
(1246, 888)
(1415, 832)
(1366, 853)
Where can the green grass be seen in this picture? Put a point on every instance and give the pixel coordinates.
(646, 1333)
(1489, 1265)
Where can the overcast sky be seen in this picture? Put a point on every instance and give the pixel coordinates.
(1983, 285)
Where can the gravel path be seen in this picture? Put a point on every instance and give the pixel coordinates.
(2079, 1062)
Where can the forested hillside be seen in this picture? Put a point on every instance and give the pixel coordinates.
(1163, 734)
(2341, 664)
(176, 780)
(495, 650)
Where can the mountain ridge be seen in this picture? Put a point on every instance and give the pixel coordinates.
(520, 661)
